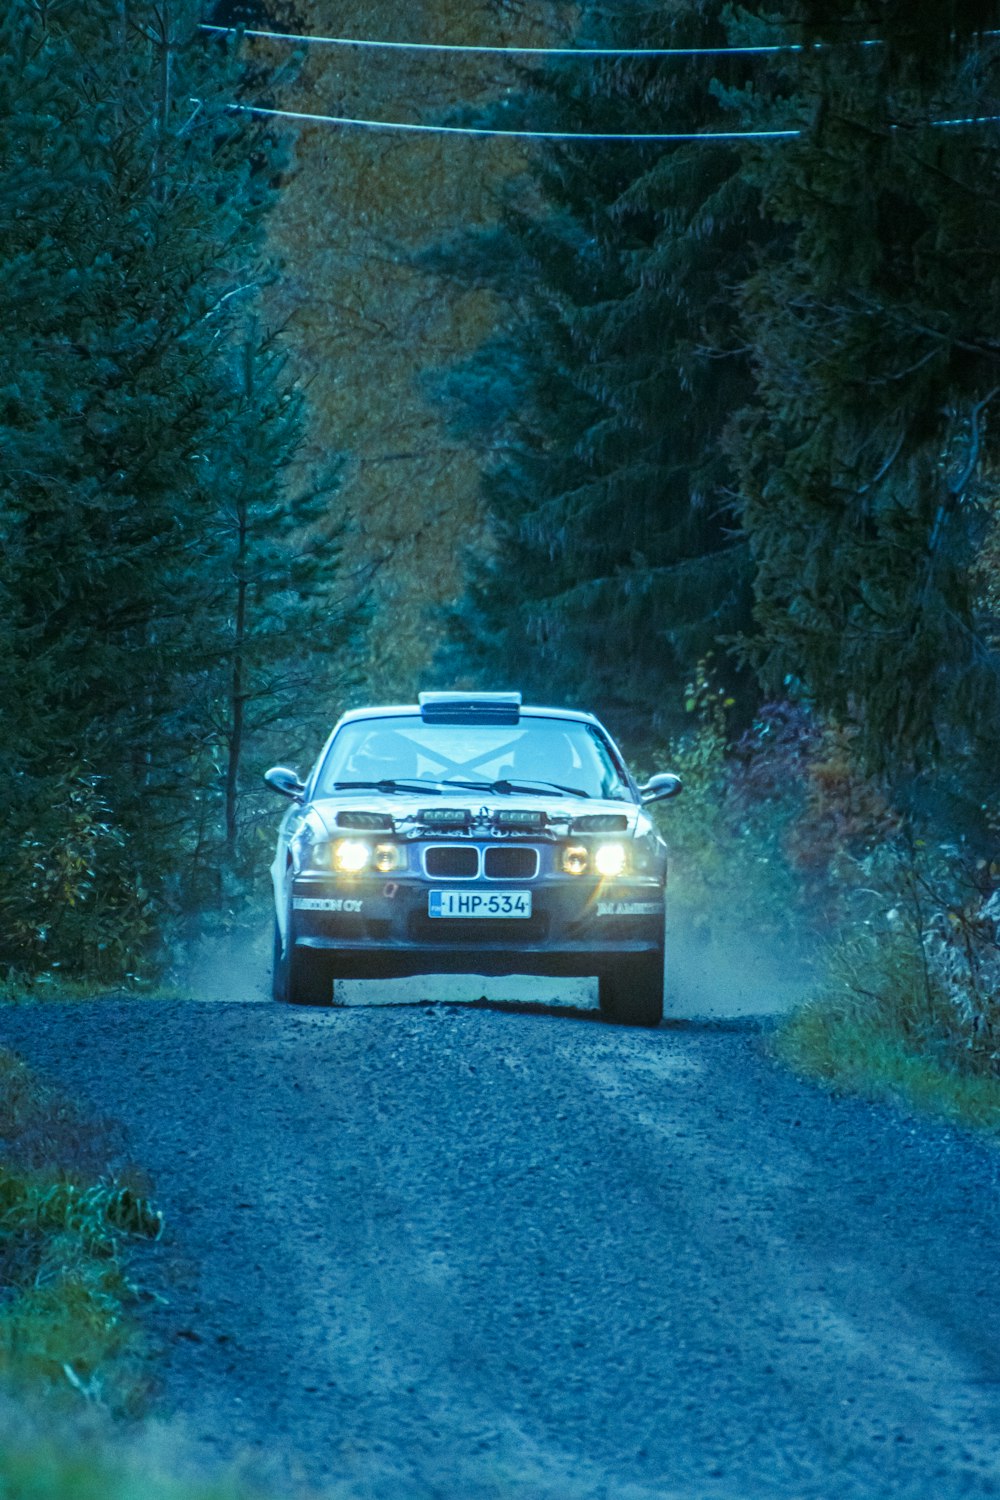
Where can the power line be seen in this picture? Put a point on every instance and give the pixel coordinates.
(731, 51)
(533, 135)
(963, 120)
(569, 135)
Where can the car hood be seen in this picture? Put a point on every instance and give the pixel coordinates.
(404, 808)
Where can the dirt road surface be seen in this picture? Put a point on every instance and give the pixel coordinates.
(448, 1253)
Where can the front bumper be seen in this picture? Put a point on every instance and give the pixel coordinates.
(380, 927)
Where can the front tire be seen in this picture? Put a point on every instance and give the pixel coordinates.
(279, 969)
(631, 994)
(299, 976)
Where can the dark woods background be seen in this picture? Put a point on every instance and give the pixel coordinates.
(165, 595)
(747, 387)
(734, 420)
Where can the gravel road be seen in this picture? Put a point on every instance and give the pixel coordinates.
(470, 1254)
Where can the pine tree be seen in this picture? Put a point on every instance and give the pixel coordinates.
(131, 202)
(607, 395)
(285, 645)
(870, 446)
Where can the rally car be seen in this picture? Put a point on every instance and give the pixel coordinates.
(471, 834)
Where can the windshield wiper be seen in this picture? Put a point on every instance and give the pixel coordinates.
(507, 788)
(390, 784)
(412, 784)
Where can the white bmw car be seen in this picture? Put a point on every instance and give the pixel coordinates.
(470, 834)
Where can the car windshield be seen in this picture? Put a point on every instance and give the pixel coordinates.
(556, 752)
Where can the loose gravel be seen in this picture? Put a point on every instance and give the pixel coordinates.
(444, 1253)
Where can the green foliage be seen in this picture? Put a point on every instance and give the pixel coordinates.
(68, 1332)
(868, 454)
(72, 1353)
(160, 590)
(65, 1221)
(850, 1049)
(783, 840)
(66, 889)
(94, 1215)
(599, 408)
(83, 1467)
(731, 878)
(911, 1001)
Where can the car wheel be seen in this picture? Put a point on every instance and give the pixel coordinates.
(300, 976)
(279, 969)
(309, 979)
(631, 994)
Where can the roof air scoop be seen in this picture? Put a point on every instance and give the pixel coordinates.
(470, 708)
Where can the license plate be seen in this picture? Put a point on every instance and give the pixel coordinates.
(479, 904)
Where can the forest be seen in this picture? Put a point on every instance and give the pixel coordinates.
(696, 427)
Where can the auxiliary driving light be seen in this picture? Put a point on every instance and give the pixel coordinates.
(518, 817)
(446, 817)
(351, 856)
(575, 859)
(369, 822)
(610, 860)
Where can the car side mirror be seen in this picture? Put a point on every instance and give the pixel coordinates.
(659, 788)
(281, 779)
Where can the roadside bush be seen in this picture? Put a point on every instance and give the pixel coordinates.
(74, 1466)
(67, 1213)
(845, 818)
(771, 833)
(728, 871)
(72, 1355)
(911, 1000)
(68, 901)
(781, 839)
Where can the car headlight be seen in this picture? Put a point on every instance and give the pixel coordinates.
(351, 856)
(610, 860)
(607, 860)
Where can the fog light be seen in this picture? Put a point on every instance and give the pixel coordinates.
(351, 856)
(574, 860)
(387, 857)
(610, 860)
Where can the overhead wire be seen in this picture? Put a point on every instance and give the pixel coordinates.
(564, 135)
(518, 51)
(543, 135)
(355, 122)
(729, 50)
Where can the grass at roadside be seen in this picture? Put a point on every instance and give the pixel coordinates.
(864, 1050)
(73, 1358)
(69, 1208)
(87, 1468)
(219, 954)
(41, 987)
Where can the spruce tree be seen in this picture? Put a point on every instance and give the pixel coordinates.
(605, 398)
(131, 202)
(286, 623)
(870, 447)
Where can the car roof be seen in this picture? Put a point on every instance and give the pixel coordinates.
(389, 711)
